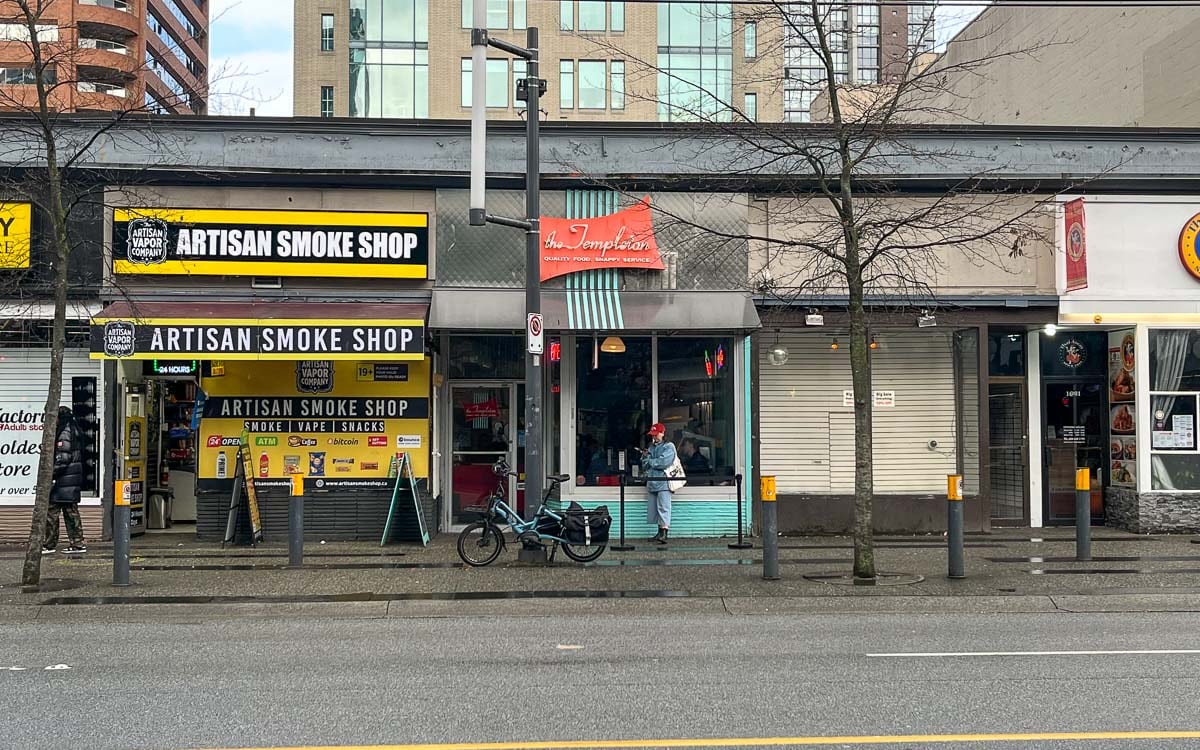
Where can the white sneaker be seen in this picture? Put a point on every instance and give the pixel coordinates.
(48, 550)
(75, 549)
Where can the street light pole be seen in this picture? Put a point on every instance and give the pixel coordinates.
(530, 91)
(534, 465)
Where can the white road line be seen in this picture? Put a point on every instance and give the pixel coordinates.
(960, 654)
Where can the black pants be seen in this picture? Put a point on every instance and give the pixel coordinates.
(70, 514)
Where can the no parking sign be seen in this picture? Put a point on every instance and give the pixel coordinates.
(534, 334)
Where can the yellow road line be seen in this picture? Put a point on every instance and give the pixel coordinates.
(766, 741)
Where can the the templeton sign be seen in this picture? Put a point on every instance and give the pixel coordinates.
(234, 242)
(258, 339)
(624, 239)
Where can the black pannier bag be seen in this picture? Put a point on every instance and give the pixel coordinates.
(549, 526)
(586, 527)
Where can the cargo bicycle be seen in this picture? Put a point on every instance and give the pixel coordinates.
(581, 534)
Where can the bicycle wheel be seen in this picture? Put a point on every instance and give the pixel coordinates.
(480, 544)
(581, 552)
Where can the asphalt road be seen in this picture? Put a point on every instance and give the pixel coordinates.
(659, 674)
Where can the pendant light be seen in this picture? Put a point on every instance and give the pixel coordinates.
(778, 353)
(613, 345)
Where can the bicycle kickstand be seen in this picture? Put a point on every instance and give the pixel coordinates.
(553, 552)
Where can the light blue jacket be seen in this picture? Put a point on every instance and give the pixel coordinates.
(655, 461)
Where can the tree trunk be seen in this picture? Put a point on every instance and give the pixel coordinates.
(864, 478)
(31, 573)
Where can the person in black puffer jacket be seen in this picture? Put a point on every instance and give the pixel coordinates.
(67, 486)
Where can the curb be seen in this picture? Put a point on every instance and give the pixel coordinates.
(737, 606)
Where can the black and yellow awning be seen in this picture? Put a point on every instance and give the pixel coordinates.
(260, 330)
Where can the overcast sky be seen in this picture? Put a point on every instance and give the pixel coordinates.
(251, 50)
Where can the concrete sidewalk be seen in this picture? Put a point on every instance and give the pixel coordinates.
(1008, 570)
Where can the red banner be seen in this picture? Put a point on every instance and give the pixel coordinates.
(621, 240)
(1076, 245)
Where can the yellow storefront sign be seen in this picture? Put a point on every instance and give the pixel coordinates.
(242, 242)
(15, 234)
(316, 420)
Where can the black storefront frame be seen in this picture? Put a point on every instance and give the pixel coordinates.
(1050, 377)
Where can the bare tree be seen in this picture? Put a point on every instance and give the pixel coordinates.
(47, 155)
(838, 226)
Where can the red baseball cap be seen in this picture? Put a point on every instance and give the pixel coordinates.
(658, 428)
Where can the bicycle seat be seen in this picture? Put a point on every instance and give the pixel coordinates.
(559, 477)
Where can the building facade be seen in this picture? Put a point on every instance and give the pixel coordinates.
(286, 310)
(1129, 409)
(1106, 65)
(121, 55)
(602, 59)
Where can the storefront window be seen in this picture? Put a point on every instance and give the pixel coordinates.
(613, 405)
(1174, 397)
(486, 358)
(1006, 353)
(696, 402)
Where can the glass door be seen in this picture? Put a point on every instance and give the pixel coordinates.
(484, 431)
(1007, 441)
(1076, 437)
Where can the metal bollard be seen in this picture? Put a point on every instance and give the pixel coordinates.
(770, 529)
(740, 544)
(1083, 515)
(622, 547)
(954, 526)
(121, 533)
(296, 524)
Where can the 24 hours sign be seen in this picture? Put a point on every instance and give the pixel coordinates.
(236, 242)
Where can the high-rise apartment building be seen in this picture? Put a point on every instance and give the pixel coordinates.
(603, 59)
(111, 54)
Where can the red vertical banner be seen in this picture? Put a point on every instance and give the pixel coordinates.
(1076, 246)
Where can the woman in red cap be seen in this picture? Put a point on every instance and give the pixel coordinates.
(655, 462)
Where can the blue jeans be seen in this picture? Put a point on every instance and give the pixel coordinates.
(658, 509)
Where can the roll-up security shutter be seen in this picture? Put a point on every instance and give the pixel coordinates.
(808, 434)
(24, 373)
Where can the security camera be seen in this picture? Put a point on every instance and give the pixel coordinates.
(933, 444)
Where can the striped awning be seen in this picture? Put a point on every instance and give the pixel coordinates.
(594, 301)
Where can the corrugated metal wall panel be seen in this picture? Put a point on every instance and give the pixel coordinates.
(807, 433)
(14, 523)
(24, 371)
(794, 403)
(841, 453)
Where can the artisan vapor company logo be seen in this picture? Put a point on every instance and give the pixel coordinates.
(146, 242)
(314, 376)
(118, 339)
